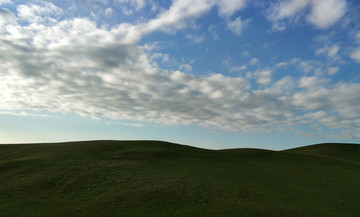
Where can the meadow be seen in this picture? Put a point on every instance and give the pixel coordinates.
(153, 178)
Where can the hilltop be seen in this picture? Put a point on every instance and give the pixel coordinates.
(153, 178)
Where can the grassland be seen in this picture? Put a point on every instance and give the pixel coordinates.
(150, 178)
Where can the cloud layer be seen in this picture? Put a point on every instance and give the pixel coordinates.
(75, 66)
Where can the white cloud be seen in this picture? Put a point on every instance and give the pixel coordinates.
(238, 68)
(178, 15)
(355, 54)
(182, 12)
(237, 25)
(312, 99)
(245, 53)
(185, 67)
(6, 17)
(195, 38)
(341, 99)
(254, 61)
(311, 82)
(286, 9)
(227, 62)
(39, 13)
(282, 10)
(165, 58)
(129, 6)
(309, 66)
(323, 13)
(109, 12)
(229, 7)
(136, 4)
(127, 11)
(281, 64)
(154, 5)
(213, 29)
(357, 37)
(285, 84)
(333, 70)
(331, 51)
(263, 77)
(2, 2)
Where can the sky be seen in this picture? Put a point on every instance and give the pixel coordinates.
(215, 74)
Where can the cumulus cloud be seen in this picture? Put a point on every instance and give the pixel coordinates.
(237, 25)
(322, 14)
(286, 9)
(6, 17)
(333, 50)
(321, 102)
(229, 7)
(329, 50)
(283, 10)
(311, 82)
(36, 13)
(254, 61)
(325, 13)
(179, 13)
(263, 76)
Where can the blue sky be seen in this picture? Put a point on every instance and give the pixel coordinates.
(208, 73)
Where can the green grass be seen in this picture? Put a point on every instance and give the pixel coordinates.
(149, 178)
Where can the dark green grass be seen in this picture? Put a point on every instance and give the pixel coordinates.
(344, 152)
(149, 178)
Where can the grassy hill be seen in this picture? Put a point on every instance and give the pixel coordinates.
(150, 178)
(344, 152)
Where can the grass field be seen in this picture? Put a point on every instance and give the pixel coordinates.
(150, 178)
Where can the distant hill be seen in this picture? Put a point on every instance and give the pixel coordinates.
(340, 151)
(153, 178)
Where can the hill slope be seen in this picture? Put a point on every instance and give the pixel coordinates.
(346, 152)
(149, 178)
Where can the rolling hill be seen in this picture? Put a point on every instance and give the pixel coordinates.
(152, 178)
(344, 152)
